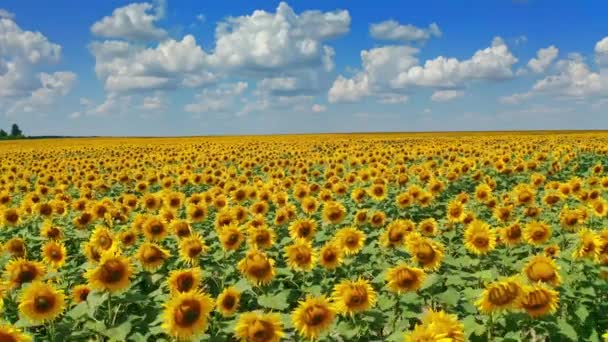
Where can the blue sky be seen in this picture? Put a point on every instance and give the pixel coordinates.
(259, 67)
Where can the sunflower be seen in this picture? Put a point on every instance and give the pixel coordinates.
(41, 302)
(589, 245)
(351, 240)
(80, 293)
(11, 217)
(309, 205)
(54, 254)
(396, 233)
(444, 324)
(428, 227)
(552, 251)
(313, 317)
(536, 233)
(196, 212)
(300, 255)
(173, 200)
(539, 300)
(483, 192)
(570, 219)
(186, 315)
(358, 195)
(127, 237)
(21, 271)
(231, 237)
(184, 280)
(16, 247)
(259, 327)
(302, 229)
(541, 268)
(330, 255)
(404, 200)
(524, 194)
(257, 267)
(500, 295)
(479, 237)
(111, 274)
(377, 219)
(425, 251)
(10, 333)
(261, 237)
(227, 302)
(377, 192)
(503, 213)
(403, 278)
(191, 248)
(350, 297)
(51, 231)
(333, 212)
(425, 333)
(511, 235)
(155, 228)
(599, 207)
(151, 256)
(455, 211)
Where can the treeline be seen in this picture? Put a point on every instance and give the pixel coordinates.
(16, 133)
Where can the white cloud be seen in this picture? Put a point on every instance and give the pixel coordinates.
(124, 67)
(492, 63)
(112, 105)
(601, 51)
(392, 30)
(75, 115)
(6, 14)
(156, 102)
(515, 98)
(395, 69)
(392, 98)
(263, 42)
(22, 54)
(51, 86)
(521, 40)
(219, 99)
(446, 95)
(134, 21)
(317, 108)
(544, 58)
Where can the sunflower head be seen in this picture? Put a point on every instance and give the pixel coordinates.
(257, 267)
(403, 278)
(191, 248)
(187, 280)
(80, 293)
(21, 271)
(41, 302)
(444, 324)
(112, 274)
(501, 295)
(330, 255)
(155, 228)
(10, 333)
(313, 317)
(54, 254)
(300, 255)
(542, 269)
(186, 315)
(537, 233)
(539, 300)
(425, 251)
(151, 256)
(479, 238)
(351, 240)
(333, 212)
(259, 327)
(351, 297)
(302, 229)
(231, 237)
(227, 302)
(16, 247)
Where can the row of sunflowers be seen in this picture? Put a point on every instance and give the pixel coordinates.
(386, 237)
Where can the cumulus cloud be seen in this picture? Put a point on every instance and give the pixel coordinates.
(317, 108)
(171, 64)
(155, 102)
(395, 69)
(544, 58)
(392, 30)
(6, 14)
(135, 22)
(446, 95)
(22, 53)
(280, 41)
(218, 99)
(601, 51)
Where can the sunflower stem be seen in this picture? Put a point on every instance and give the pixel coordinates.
(397, 311)
(490, 327)
(109, 308)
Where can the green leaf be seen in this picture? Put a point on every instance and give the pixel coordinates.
(119, 333)
(582, 313)
(429, 281)
(242, 285)
(346, 330)
(450, 296)
(78, 311)
(385, 302)
(472, 327)
(277, 301)
(567, 330)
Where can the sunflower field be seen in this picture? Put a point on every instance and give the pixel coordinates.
(343, 237)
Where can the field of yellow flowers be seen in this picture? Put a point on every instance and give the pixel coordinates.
(352, 237)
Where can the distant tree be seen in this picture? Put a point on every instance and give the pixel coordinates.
(3, 133)
(15, 131)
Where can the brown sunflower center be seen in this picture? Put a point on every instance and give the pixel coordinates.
(152, 254)
(395, 236)
(261, 331)
(12, 216)
(357, 296)
(329, 256)
(112, 271)
(501, 296)
(514, 232)
(481, 241)
(187, 313)
(405, 278)
(83, 295)
(425, 253)
(185, 282)
(541, 271)
(315, 315)
(228, 302)
(44, 303)
(259, 267)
